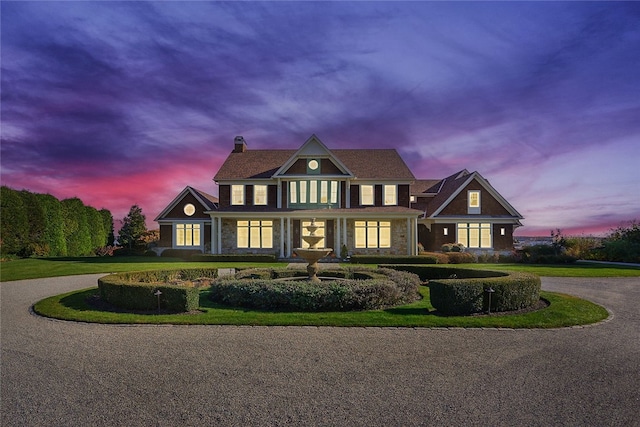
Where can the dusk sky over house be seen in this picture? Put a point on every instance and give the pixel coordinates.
(122, 103)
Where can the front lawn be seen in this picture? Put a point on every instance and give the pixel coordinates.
(36, 268)
(564, 310)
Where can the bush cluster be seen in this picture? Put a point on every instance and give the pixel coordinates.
(136, 290)
(256, 289)
(452, 247)
(544, 254)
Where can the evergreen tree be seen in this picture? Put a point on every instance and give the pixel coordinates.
(107, 224)
(96, 228)
(54, 225)
(36, 244)
(76, 225)
(14, 225)
(133, 229)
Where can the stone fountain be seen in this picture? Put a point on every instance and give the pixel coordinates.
(313, 253)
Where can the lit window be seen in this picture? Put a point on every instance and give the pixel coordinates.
(390, 195)
(303, 191)
(474, 202)
(259, 194)
(293, 193)
(366, 195)
(445, 231)
(412, 199)
(503, 231)
(324, 192)
(187, 234)
(255, 234)
(237, 194)
(373, 234)
(334, 192)
(313, 191)
(475, 235)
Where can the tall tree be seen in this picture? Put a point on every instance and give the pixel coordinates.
(96, 227)
(36, 243)
(133, 229)
(54, 225)
(107, 224)
(14, 225)
(76, 233)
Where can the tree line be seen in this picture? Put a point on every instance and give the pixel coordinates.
(33, 224)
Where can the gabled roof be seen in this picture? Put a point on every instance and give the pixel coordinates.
(208, 201)
(313, 148)
(454, 184)
(368, 163)
(425, 187)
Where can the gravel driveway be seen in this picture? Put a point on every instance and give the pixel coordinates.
(57, 373)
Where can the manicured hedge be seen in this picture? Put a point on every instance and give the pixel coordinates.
(394, 259)
(232, 257)
(463, 290)
(135, 290)
(180, 253)
(392, 288)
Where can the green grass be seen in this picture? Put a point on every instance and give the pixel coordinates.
(564, 310)
(36, 268)
(582, 269)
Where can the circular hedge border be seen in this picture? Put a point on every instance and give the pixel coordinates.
(343, 290)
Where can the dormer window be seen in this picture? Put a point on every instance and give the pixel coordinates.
(237, 194)
(390, 195)
(259, 195)
(366, 195)
(313, 166)
(473, 206)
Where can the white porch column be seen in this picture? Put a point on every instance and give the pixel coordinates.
(344, 231)
(338, 242)
(214, 240)
(219, 236)
(288, 237)
(348, 194)
(409, 238)
(282, 237)
(415, 236)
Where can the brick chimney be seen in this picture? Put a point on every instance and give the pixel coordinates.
(239, 145)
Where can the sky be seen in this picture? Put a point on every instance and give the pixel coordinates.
(123, 103)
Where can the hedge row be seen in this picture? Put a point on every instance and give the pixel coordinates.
(393, 288)
(464, 291)
(136, 290)
(394, 259)
(232, 258)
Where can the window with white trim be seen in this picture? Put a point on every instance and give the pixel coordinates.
(187, 235)
(237, 194)
(372, 234)
(254, 234)
(473, 206)
(366, 195)
(313, 193)
(259, 195)
(475, 235)
(390, 195)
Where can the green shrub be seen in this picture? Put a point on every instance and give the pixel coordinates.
(544, 254)
(452, 247)
(180, 253)
(251, 289)
(461, 257)
(135, 290)
(466, 296)
(425, 272)
(393, 259)
(199, 257)
(150, 253)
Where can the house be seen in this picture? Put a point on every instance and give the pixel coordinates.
(365, 199)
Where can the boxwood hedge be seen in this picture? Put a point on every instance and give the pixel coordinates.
(136, 290)
(255, 289)
(464, 291)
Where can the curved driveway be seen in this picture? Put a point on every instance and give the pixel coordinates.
(74, 374)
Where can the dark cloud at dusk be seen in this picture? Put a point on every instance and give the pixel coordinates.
(123, 103)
